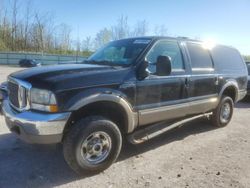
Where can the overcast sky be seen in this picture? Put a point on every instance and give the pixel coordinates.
(225, 21)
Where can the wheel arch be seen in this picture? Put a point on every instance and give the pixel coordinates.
(230, 89)
(111, 106)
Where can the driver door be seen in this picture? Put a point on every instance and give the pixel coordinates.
(163, 97)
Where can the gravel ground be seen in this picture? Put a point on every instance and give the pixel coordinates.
(196, 155)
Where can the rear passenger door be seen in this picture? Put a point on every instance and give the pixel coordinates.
(203, 81)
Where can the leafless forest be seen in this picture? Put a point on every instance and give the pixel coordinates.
(24, 28)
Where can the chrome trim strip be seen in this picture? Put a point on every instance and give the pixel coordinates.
(175, 111)
(27, 87)
(151, 76)
(22, 98)
(175, 102)
(203, 69)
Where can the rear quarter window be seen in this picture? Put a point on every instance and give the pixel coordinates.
(248, 68)
(227, 59)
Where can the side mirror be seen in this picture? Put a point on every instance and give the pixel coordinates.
(142, 71)
(163, 66)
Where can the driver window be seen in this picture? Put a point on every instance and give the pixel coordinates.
(165, 48)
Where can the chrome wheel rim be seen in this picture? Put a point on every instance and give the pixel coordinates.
(96, 147)
(225, 112)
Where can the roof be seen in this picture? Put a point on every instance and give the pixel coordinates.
(164, 37)
(185, 39)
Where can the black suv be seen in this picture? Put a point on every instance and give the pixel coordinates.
(134, 88)
(248, 85)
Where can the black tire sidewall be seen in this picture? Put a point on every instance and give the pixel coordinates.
(216, 118)
(81, 131)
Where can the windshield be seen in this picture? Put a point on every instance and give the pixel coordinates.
(248, 67)
(120, 52)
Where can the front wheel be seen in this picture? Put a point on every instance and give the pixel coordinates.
(92, 145)
(222, 115)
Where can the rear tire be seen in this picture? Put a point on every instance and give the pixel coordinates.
(222, 115)
(92, 145)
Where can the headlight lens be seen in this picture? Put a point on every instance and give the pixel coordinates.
(43, 100)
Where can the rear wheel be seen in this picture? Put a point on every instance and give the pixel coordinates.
(92, 145)
(222, 115)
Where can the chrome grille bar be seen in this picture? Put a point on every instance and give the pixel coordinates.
(19, 93)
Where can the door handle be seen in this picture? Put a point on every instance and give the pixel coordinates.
(216, 80)
(187, 81)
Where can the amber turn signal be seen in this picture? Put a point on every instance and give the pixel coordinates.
(53, 108)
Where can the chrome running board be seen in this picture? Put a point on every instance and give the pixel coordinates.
(145, 134)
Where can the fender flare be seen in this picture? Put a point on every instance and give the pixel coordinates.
(132, 117)
(230, 83)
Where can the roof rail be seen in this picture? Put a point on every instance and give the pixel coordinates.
(182, 37)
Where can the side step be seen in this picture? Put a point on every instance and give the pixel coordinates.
(143, 135)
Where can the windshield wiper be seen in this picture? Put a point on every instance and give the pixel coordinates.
(103, 62)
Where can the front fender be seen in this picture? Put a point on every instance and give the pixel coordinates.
(88, 97)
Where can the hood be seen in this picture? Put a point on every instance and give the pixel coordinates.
(64, 77)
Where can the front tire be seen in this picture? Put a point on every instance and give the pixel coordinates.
(222, 115)
(92, 145)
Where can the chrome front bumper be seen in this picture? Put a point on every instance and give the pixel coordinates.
(241, 94)
(34, 127)
(248, 91)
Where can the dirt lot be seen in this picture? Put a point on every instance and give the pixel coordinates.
(196, 155)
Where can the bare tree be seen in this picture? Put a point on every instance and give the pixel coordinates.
(161, 30)
(103, 37)
(121, 29)
(39, 32)
(27, 24)
(140, 28)
(42, 31)
(1, 11)
(6, 31)
(64, 33)
(14, 24)
(35, 31)
(2, 29)
(31, 32)
(87, 44)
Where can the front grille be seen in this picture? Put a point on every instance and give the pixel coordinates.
(18, 92)
(13, 94)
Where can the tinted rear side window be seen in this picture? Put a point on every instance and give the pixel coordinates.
(200, 57)
(248, 68)
(227, 59)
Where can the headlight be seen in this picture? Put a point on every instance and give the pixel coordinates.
(43, 100)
